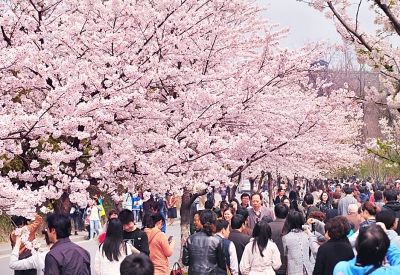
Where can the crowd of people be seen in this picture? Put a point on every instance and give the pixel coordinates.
(334, 228)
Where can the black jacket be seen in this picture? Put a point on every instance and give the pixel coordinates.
(395, 206)
(200, 253)
(138, 239)
(240, 240)
(330, 253)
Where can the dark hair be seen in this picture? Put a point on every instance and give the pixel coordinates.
(293, 195)
(244, 195)
(256, 194)
(294, 220)
(136, 264)
(280, 189)
(317, 215)
(61, 223)
(308, 198)
(223, 205)
(267, 219)
(209, 204)
(338, 185)
(337, 228)
(112, 212)
(156, 217)
(242, 211)
(234, 200)
(390, 194)
(19, 220)
(320, 197)
(113, 241)
(261, 234)
(372, 209)
(207, 219)
(237, 221)
(229, 208)
(372, 244)
(281, 210)
(378, 196)
(147, 221)
(348, 190)
(126, 216)
(387, 217)
(221, 224)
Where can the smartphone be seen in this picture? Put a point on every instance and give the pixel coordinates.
(170, 239)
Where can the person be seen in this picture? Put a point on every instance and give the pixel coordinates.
(391, 202)
(294, 200)
(196, 222)
(112, 214)
(336, 249)
(296, 245)
(281, 212)
(227, 258)
(133, 234)
(32, 228)
(372, 247)
(171, 206)
(127, 201)
(137, 264)
(201, 249)
(245, 200)
(280, 196)
(35, 262)
(368, 212)
(234, 203)
(94, 219)
(286, 202)
(258, 211)
(378, 199)
(388, 218)
(261, 255)
(228, 214)
(333, 212)
(353, 217)
(113, 251)
(223, 191)
(346, 200)
(236, 235)
(64, 257)
(324, 204)
(160, 247)
(309, 206)
(136, 206)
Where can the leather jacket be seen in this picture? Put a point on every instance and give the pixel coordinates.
(200, 253)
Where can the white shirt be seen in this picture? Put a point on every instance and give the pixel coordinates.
(36, 261)
(103, 266)
(234, 265)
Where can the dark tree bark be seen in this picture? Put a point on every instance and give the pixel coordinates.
(63, 204)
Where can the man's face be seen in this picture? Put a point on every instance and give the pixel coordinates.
(129, 227)
(256, 202)
(245, 200)
(338, 189)
(51, 233)
(196, 222)
(281, 193)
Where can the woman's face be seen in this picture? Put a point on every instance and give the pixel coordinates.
(234, 205)
(196, 222)
(228, 215)
(287, 202)
(324, 197)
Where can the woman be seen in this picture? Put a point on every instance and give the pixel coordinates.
(201, 249)
(261, 255)
(296, 245)
(234, 203)
(228, 215)
(160, 247)
(336, 249)
(112, 214)
(94, 218)
(113, 251)
(171, 206)
(294, 200)
(368, 212)
(286, 201)
(324, 204)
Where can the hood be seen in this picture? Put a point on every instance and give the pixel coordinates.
(394, 205)
(351, 268)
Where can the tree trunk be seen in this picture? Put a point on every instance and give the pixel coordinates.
(185, 212)
(63, 204)
(270, 187)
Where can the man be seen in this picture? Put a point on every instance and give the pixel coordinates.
(333, 212)
(280, 197)
(346, 200)
(281, 211)
(245, 200)
(24, 253)
(353, 217)
(133, 234)
(64, 256)
(226, 249)
(196, 226)
(258, 211)
(237, 236)
(136, 264)
(390, 198)
(309, 206)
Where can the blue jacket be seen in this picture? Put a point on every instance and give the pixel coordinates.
(349, 267)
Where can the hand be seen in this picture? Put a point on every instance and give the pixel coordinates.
(382, 225)
(133, 249)
(310, 221)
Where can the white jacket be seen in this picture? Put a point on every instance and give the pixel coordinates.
(254, 264)
(36, 261)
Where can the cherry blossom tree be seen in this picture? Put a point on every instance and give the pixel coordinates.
(166, 95)
(379, 50)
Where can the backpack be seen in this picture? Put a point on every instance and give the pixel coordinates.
(223, 256)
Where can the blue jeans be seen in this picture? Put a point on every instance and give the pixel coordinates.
(94, 228)
(136, 213)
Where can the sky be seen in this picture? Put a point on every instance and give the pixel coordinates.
(306, 24)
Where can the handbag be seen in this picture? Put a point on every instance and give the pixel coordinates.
(176, 269)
